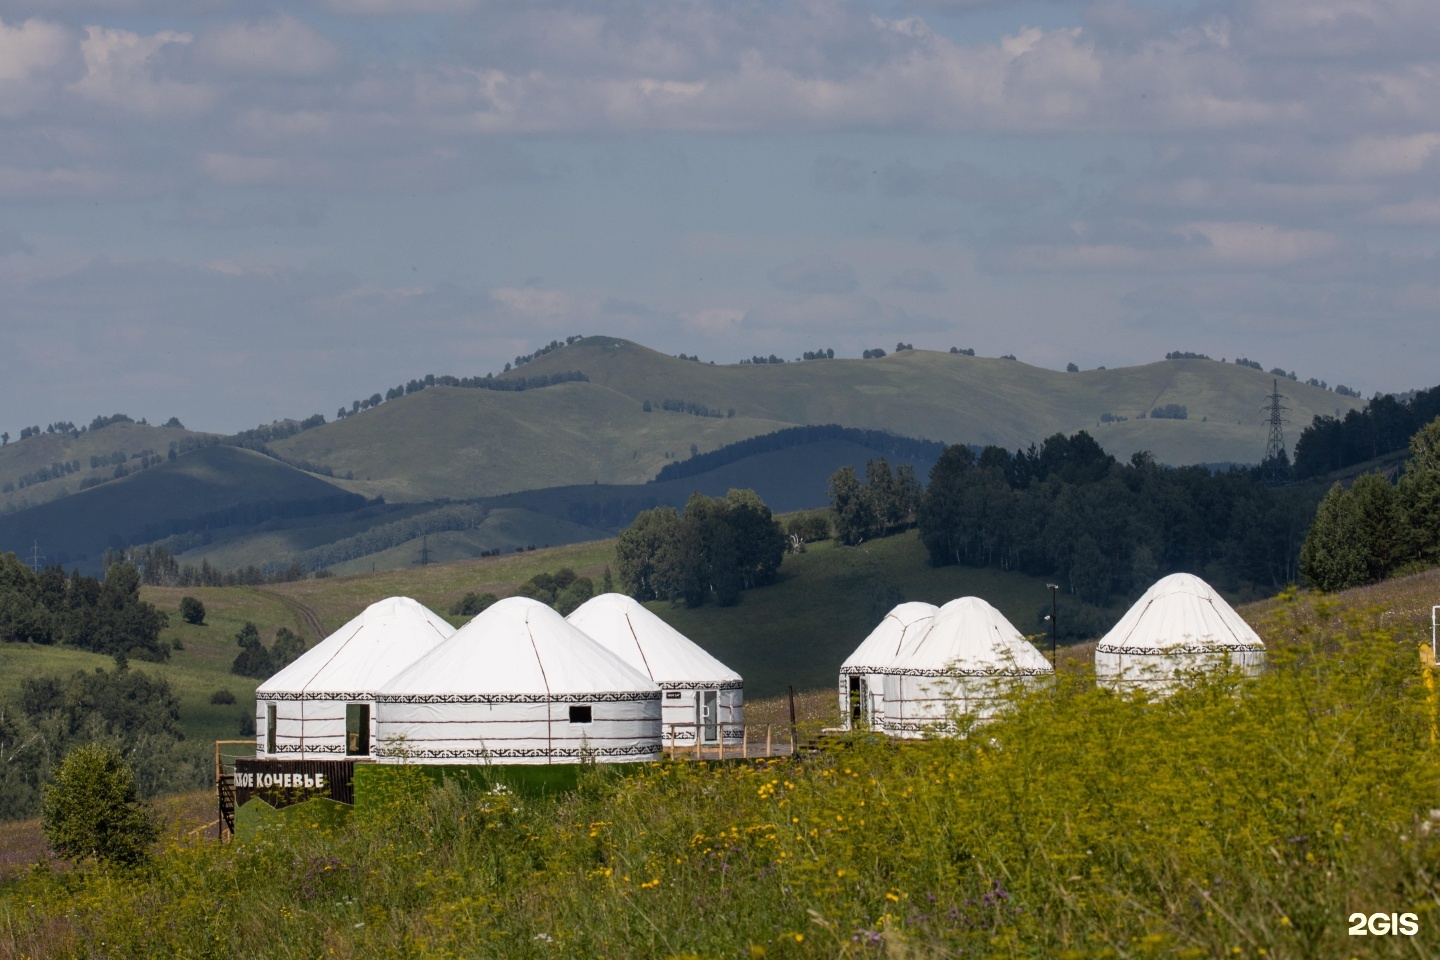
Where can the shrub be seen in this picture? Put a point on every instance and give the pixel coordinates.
(192, 610)
(472, 603)
(221, 697)
(92, 810)
(1170, 411)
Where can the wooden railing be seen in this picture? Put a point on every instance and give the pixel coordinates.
(716, 749)
(225, 786)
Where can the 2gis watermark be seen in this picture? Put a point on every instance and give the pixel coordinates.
(1384, 924)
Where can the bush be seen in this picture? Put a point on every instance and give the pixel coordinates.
(92, 810)
(222, 697)
(1170, 411)
(472, 603)
(192, 610)
(809, 527)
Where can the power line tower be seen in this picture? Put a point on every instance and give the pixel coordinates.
(36, 560)
(1276, 465)
(424, 560)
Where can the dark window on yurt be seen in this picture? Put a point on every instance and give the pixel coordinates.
(269, 728)
(357, 729)
(580, 714)
(857, 700)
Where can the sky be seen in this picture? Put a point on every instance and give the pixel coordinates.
(233, 212)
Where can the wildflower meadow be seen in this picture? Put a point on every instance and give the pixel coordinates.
(1234, 819)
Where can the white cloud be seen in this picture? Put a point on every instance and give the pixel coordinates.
(122, 71)
(280, 46)
(33, 55)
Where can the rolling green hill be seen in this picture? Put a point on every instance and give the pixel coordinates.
(454, 442)
(207, 487)
(979, 400)
(113, 444)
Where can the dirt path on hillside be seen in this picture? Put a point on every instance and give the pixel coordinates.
(304, 613)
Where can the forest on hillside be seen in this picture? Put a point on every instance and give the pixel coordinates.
(1102, 529)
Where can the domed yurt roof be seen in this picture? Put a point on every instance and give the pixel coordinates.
(518, 649)
(1180, 614)
(904, 622)
(354, 661)
(968, 637)
(627, 629)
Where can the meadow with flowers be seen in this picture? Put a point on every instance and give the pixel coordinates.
(1235, 819)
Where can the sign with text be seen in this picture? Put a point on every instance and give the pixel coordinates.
(281, 783)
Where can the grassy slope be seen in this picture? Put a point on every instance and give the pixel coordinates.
(453, 442)
(201, 482)
(20, 457)
(960, 399)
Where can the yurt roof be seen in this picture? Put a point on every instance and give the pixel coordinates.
(626, 628)
(518, 649)
(903, 623)
(968, 637)
(1180, 614)
(358, 658)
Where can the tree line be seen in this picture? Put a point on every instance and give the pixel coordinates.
(717, 548)
(100, 616)
(1375, 528)
(1102, 529)
(158, 567)
(1383, 426)
(688, 406)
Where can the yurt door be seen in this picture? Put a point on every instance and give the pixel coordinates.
(708, 708)
(357, 729)
(858, 697)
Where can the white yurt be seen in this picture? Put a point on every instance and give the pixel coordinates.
(321, 706)
(862, 675)
(965, 661)
(1180, 626)
(701, 694)
(518, 684)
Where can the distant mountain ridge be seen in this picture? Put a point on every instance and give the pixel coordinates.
(611, 414)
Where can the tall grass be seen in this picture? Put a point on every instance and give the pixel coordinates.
(1238, 818)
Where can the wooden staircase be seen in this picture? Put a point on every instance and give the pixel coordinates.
(225, 787)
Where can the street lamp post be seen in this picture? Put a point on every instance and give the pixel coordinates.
(1054, 611)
